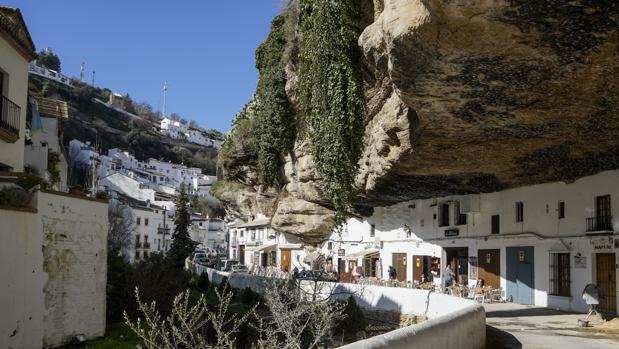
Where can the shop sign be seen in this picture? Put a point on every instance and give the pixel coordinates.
(341, 252)
(580, 262)
(602, 243)
(451, 232)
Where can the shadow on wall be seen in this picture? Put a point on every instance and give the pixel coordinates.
(366, 299)
(498, 339)
(510, 313)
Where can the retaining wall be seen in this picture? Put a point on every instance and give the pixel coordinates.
(453, 322)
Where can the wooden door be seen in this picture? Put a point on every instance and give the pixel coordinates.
(489, 267)
(242, 254)
(606, 280)
(341, 270)
(399, 263)
(418, 267)
(286, 260)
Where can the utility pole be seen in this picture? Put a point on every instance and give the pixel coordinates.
(82, 66)
(93, 78)
(165, 228)
(165, 95)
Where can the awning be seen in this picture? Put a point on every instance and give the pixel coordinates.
(290, 246)
(363, 253)
(260, 247)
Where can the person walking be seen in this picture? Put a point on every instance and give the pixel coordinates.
(392, 273)
(449, 276)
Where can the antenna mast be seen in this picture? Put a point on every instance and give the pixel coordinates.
(165, 95)
(82, 66)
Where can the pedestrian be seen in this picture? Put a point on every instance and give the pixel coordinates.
(392, 273)
(449, 276)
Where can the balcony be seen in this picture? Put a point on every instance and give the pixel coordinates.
(146, 245)
(602, 223)
(163, 230)
(9, 120)
(138, 244)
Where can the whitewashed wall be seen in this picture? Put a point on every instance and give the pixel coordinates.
(53, 267)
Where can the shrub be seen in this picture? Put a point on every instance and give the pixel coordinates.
(354, 320)
(249, 297)
(203, 282)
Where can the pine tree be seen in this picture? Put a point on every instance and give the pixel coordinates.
(182, 245)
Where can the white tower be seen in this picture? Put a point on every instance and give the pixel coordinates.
(82, 66)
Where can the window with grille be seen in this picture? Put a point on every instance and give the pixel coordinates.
(443, 215)
(137, 220)
(560, 281)
(561, 209)
(460, 217)
(496, 224)
(519, 212)
(145, 221)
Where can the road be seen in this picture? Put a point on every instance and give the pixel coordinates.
(517, 326)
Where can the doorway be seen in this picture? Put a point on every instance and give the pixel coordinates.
(520, 274)
(341, 270)
(242, 254)
(399, 263)
(606, 279)
(286, 260)
(458, 259)
(489, 267)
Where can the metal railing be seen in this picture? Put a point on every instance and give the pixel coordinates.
(163, 230)
(9, 119)
(602, 223)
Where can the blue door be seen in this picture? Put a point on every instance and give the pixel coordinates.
(519, 273)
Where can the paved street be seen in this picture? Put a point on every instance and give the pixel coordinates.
(518, 326)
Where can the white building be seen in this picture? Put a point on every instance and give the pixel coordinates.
(209, 232)
(255, 243)
(178, 130)
(540, 244)
(152, 233)
(35, 69)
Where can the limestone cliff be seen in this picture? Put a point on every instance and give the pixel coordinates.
(464, 97)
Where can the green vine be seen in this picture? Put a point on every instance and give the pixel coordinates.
(332, 93)
(274, 126)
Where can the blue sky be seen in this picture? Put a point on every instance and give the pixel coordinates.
(203, 48)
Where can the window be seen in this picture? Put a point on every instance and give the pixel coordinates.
(561, 209)
(145, 254)
(158, 244)
(253, 235)
(137, 255)
(496, 224)
(137, 220)
(372, 230)
(145, 221)
(560, 274)
(460, 217)
(329, 246)
(519, 211)
(443, 215)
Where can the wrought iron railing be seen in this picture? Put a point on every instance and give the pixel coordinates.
(601, 223)
(9, 119)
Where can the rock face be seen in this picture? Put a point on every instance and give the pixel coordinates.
(472, 96)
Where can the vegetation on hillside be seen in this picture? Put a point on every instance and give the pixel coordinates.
(49, 60)
(94, 122)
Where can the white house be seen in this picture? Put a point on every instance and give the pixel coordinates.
(209, 232)
(540, 244)
(255, 243)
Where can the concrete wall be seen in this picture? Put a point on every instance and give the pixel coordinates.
(15, 70)
(21, 272)
(53, 267)
(74, 259)
(453, 322)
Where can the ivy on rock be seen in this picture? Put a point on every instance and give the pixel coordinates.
(332, 93)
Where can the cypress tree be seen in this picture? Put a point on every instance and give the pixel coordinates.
(182, 245)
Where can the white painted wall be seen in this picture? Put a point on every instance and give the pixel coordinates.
(53, 267)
